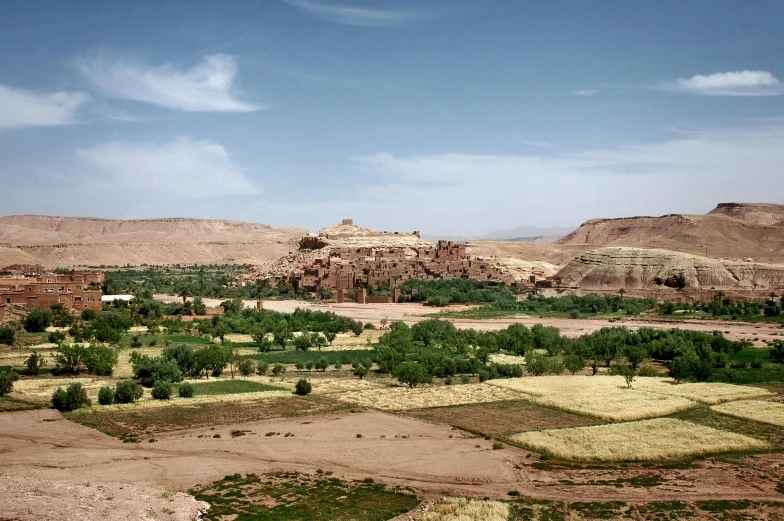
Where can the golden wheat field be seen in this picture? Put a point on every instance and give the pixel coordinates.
(462, 509)
(708, 393)
(146, 402)
(617, 404)
(403, 398)
(500, 358)
(661, 438)
(764, 412)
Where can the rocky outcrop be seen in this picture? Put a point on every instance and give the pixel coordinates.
(765, 214)
(640, 268)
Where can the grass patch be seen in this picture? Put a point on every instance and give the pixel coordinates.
(661, 438)
(160, 340)
(231, 387)
(747, 376)
(9, 404)
(149, 421)
(502, 417)
(312, 355)
(711, 417)
(291, 496)
(764, 412)
(403, 398)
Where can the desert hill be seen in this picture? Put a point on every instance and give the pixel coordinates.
(731, 230)
(639, 268)
(75, 241)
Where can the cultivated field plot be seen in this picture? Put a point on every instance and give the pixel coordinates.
(500, 358)
(661, 438)
(707, 393)
(402, 398)
(462, 509)
(604, 397)
(763, 412)
(502, 417)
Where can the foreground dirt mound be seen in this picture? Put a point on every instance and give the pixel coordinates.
(72, 241)
(639, 268)
(739, 231)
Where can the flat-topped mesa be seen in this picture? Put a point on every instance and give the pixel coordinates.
(767, 214)
(348, 235)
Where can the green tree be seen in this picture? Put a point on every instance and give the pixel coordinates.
(105, 396)
(318, 340)
(635, 354)
(574, 363)
(322, 364)
(37, 321)
(72, 398)
(246, 367)
(100, 359)
(199, 308)
(7, 379)
(680, 369)
(162, 390)
(412, 374)
(212, 359)
(303, 341)
(7, 335)
(148, 370)
(361, 371)
(35, 362)
(127, 391)
(627, 372)
(68, 358)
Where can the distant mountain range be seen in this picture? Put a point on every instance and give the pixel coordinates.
(533, 234)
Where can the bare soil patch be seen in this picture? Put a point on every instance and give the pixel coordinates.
(502, 417)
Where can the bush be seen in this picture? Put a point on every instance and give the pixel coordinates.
(185, 390)
(56, 337)
(361, 371)
(150, 370)
(7, 335)
(161, 390)
(299, 365)
(100, 359)
(412, 374)
(574, 363)
(646, 370)
(74, 397)
(68, 358)
(7, 379)
(34, 362)
(127, 391)
(322, 364)
(106, 396)
(262, 367)
(309, 365)
(246, 367)
(37, 321)
(277, 369)
(303, 387)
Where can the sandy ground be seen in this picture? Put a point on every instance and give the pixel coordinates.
(413, 313)
(41, 445)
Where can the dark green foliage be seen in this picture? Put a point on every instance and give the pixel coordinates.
(7, 335)
(211, 360)
(776, 351)
(35, 362)
(68, 358)
(574, 363)
(100, 359)
(361, 371)
(246, 367)
(185, 390)
(262, 367)
(182, 355)
(127, 391)
(109, 326)
(412, 374)
(37, 320)
(162, 390)
(56, 337)
(441, 292)
(74, 397)
(106, 396)
(7, 379)
(218, 387)
(148, 370)
(322, 364)
(277, 369)
(303, 387)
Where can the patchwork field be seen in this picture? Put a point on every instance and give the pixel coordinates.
(402, 398)
(758, 411)
(662, 438)
(502, 417)
(463, 509)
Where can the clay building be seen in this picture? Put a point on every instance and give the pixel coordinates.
(79, 290)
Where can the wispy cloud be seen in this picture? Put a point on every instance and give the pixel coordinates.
(205, 87)
(179, 169)
(537, 144)
(734, 83)
(586, 92)
(363, 16)
(23, 108)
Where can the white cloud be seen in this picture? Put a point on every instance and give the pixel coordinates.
(349, 15)
(206, 87)
(735, 83)
(468, 194)
(537, 144)
(586, 92)
(22, 108)
(180, 169)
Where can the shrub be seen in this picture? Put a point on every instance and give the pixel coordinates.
(574, 314)
(369, 325)
(338, 365)
(322, 364)
(68, 358)
(309, 365)
(448, 380)
(185, 390)
(149, 370)
(412, 374)
(127, 391)
(299, 365)
(277, 369)
(262, 367)
(106, 396)
(161, 390)
(74, 397)
(34, 362)
(135, 342)
(37, 321)
(100, 359)
(7, 379)
(646, 370)
(55, 337)
(465, 379)
(7, 335)
(246, 367)
(303, 387)
(361, 371)
(756, 364)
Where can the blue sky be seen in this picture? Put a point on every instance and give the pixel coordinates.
(451, 117)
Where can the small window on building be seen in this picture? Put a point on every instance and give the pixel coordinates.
(78, 287)
(69, 290)
(49, 281)
(77, 299)
(59, 290)
(90, 299)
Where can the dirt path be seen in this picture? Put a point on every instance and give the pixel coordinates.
(393, 449)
